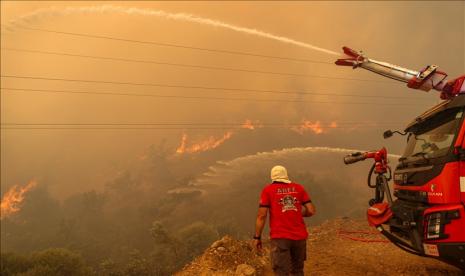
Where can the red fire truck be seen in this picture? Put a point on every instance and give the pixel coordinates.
(426, 214)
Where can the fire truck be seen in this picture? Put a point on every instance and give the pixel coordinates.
(425, 212)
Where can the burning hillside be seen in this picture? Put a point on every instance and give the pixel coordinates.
(315, 127)
(212, 142)
(208, 144)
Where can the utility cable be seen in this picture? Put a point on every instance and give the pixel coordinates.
(240, 125)
(191, 65)
(174, 45)
(179, 86)
(155, 128)
(172, 96)
(203, 98)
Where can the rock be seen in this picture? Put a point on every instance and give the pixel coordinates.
(228, 257)
(245, 270)
(217, 243)
(205, 273)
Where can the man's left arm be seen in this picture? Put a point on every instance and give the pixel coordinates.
(307, 204)
(309, 209)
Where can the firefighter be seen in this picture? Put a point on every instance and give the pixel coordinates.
(287, 203)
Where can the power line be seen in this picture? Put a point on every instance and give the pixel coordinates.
(191, 125)
(153, 128)
(221, 125)
(177, 86)
(144, 95)
(190, 65)
(174, 45)
(204, 98)
(169, 96)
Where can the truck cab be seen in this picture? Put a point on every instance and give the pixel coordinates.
(427, 216)
(429, 184)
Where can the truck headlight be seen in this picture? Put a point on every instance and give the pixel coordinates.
(433, 230)
(436, 223)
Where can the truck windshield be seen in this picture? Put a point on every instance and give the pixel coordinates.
(434, 137)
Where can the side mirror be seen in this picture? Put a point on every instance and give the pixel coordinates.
(388, 133)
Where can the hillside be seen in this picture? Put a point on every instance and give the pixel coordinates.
(330, 252)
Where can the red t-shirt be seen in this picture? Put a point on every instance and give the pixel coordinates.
(285, 203)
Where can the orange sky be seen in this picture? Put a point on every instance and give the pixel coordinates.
(411, 34)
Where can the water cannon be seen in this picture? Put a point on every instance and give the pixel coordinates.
(426, 79)
(380, 167)
(379, 156)
(354, 158)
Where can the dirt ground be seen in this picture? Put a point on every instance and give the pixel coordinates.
(330, 253)
(331, 250)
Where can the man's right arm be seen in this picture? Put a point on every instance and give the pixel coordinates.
(261, 220)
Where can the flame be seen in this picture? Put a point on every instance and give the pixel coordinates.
(202, 146)
(182, 147)
(13, 198)
(309, 126)
(316, 127)
(213, 142)
(249, 124)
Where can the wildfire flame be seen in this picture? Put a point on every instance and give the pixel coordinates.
(248, 124)
(316, 127)
(309, 126)
(13, 198)
(205, 145)
(212, 142)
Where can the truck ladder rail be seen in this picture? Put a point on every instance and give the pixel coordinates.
(425, 79)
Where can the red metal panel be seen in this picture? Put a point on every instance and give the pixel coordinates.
(460, 144)
(444, 188)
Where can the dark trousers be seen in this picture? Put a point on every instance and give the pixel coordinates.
(288, 256)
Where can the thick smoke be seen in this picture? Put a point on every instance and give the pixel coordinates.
(106, 193)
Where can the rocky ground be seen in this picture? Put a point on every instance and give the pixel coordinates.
(337, 247)
(228, 256)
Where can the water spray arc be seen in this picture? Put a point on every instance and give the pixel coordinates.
(55, 11)
(221, 166)
(287, 151)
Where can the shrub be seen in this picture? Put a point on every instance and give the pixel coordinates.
(50, 262)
